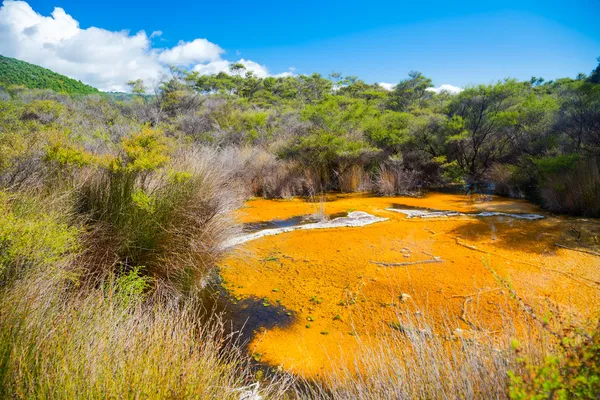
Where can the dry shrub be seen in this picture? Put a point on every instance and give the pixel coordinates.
(393, 179)
(351, 179)
(575, 191)
(261, 173)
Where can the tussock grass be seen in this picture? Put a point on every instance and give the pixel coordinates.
(170, 219)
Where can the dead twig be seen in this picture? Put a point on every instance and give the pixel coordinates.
(463, 316)
(456, 296)
(468, 246)
(406, 263)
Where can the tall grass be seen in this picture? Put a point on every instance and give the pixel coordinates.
(414, 359)
(60, 343)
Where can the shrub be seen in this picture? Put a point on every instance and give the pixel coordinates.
(569, 186)
(44, 111)
(31, 236)
(573, 373)
(167, 213)
(394, 179)
(351, 179)
(260, 173)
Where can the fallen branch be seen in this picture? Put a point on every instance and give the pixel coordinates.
(456, 296)
(407, 263)
(562, 246)
(468, 246)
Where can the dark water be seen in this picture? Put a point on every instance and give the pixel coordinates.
(285, 223)
(247, 316)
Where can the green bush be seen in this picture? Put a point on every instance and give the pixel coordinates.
(145, 207)
(557, 164)
(570, 186)
(32, 236)
(572, 374)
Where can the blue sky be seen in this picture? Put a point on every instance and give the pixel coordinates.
(457, 44)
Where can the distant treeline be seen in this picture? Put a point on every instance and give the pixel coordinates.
(305, 134)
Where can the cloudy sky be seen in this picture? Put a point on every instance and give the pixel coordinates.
(108, 43)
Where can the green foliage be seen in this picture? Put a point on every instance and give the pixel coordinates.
(45, 111)
(573, 373)
(389, 130)
(146, 150)
(63, 151)
(410, 93)
(146, 209)
(16, 72)
(553, 165)
(31, 236)
(130, 287)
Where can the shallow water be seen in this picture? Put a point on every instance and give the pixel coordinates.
(306, 295)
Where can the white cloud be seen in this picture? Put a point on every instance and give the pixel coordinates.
(212, 67)
(102, 58)
(96, 56)
(387, 86)
(186, 53)
(446, 88)
(284, 74)
(259, 70)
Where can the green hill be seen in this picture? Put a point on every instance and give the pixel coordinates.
(17, 72)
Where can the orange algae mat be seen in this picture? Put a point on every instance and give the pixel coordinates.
(323, 289)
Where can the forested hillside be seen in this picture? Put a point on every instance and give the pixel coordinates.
(17, 72)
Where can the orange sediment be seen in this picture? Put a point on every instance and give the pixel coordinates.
(336, 284)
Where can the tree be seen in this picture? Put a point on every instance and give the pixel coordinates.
(579, 116)
(237, 68)
(410, 92)
(137, 86)
(478, 123)
(595, 75)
